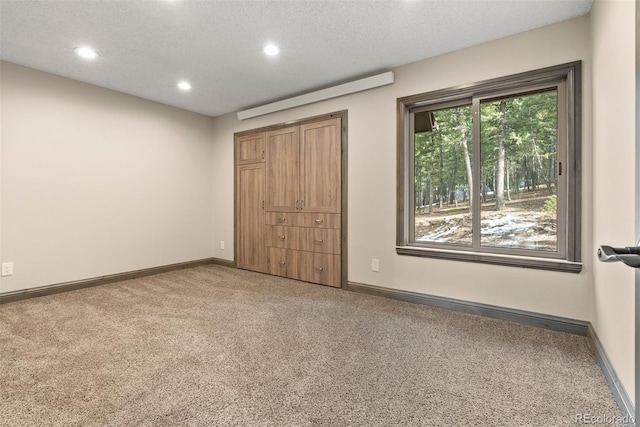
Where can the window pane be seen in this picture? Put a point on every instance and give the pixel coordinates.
(518, 172)
(443, 176)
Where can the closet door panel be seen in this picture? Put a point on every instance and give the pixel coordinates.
(283, 182)
(250, 149)
(321, 166)
(250, 221)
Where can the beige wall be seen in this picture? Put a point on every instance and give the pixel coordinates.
(613, 71)
(372, 178)
(95, 182)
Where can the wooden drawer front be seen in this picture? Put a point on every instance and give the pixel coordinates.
(278, 236)
(314, 220)
(306, 266)
(325, 240)
(279, 218)
(317, 220)
(319, 268)
(277, 262)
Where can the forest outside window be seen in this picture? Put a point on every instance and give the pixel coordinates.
(491, 172)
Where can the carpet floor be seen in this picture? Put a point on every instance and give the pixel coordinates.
(215, 346)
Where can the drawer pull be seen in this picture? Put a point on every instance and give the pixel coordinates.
(281, 237)
(281, 262)
(320, 269)
(283, 219)
(319, 242)
(319, 221)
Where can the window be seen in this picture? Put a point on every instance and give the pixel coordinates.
(490, 172)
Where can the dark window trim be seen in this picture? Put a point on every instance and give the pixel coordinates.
(570, 74)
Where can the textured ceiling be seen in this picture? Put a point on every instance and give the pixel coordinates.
(146, 46)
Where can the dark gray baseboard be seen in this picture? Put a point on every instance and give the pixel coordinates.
(617, 389)
(223, 262)
(103, 280)
(562, 324)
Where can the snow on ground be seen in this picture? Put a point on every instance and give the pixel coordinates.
(524, 230)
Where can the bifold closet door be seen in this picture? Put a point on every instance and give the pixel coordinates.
(321, 166)
(283, 170)
(250, 149)
(250, 219)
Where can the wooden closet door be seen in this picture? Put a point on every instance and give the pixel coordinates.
(283, 182)
(250, 149)
(321, 166)
(250, 251)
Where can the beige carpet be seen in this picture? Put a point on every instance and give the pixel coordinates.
(214, 346)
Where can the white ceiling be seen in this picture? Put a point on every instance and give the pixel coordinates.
(146, 46)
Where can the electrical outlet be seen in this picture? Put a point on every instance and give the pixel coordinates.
(7, 268)
(375, 264)
(222, 244)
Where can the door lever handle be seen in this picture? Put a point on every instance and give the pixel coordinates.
(629, 255)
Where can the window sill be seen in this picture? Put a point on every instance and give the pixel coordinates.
(496, 259)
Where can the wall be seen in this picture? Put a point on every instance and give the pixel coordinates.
(613, 42)
(95, 182)
(372, 177)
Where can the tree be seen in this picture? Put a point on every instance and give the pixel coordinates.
(499, 191)
(462, 128)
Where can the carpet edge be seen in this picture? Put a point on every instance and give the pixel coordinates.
(620, 395)
(57, 288)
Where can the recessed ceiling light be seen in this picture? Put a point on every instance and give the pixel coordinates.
(86, 52)
(271, 50)
(184, 86)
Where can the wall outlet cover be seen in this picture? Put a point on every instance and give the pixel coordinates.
(7, 268)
